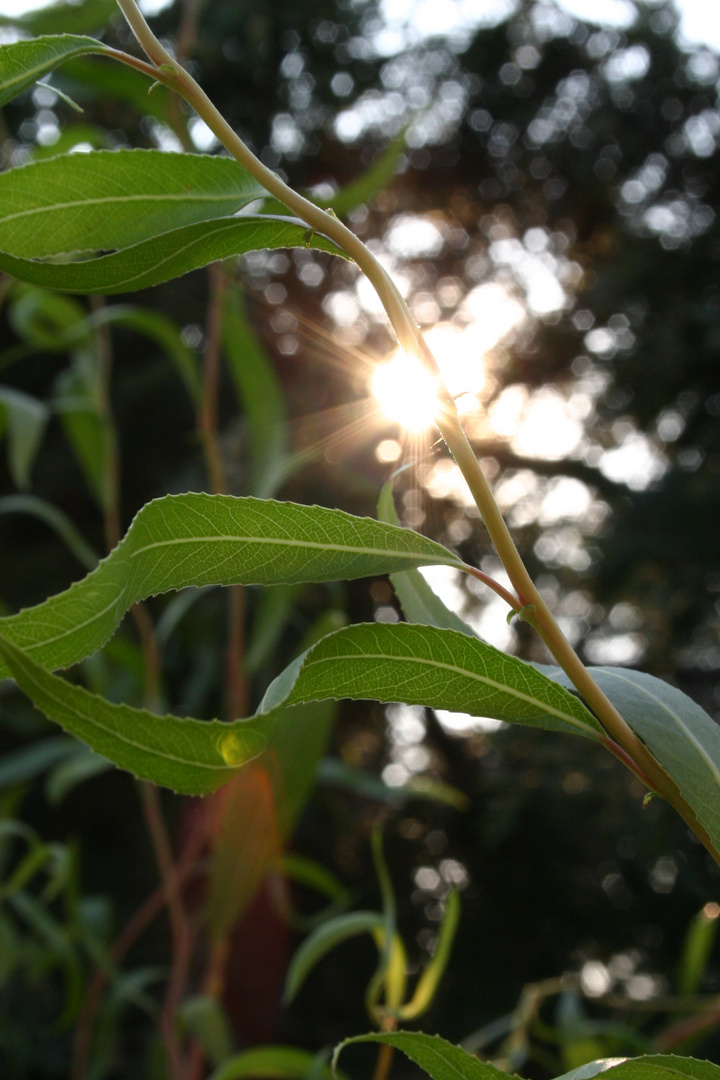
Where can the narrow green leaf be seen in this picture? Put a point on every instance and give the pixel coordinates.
(86, 430)
(323, 940)
(198, 539)
(430, 979)
(439, 1059)
(418, 601)
(114, 199)
(26, 419)
(204, 1018)
(24, 62)
(64, 17)
(377, 178)
(260, 395)
(275, 1063)
(697, 950)
(417, 664)
(650, 1067)
(678, 733)
(336, 773)
(190, 756)
(166, 256)
(425, 665)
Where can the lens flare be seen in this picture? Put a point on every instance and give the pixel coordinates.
(406, 392)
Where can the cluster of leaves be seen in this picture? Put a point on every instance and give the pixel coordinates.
(113, 222)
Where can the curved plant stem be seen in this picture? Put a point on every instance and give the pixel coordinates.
(410, 339)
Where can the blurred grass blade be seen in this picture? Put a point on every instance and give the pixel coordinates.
(275, 1063)
(260, 395)
(58, 521)
(28, 762)
(697, 949)
(377, 178)
(430, 979)
(418, 601)
(24, 418)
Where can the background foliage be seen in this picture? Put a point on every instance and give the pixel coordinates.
(575, 166)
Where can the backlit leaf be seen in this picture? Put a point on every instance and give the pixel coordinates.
(198, 539)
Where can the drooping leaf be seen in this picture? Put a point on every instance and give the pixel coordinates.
(323, 940)
(254, 815)
(87, 431)
(83, 764)
(189, 756)
(425, 665)
(417, 664)
(114, 221)
(438, 1058)
(429, 981)
(678, 733)
(245, 843)
(51, 321)
(24, 62)
(198, 539)
(418, 601)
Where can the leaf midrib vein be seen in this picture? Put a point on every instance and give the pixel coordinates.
(455, 670)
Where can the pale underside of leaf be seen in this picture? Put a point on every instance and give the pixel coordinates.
(22, 63)
(678, 732)
(198, 539)
(167, 256)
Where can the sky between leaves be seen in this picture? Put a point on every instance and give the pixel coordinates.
(700, 19)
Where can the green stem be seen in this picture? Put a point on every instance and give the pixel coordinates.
(412, 342)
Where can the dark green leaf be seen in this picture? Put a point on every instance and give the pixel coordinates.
(439, 1059)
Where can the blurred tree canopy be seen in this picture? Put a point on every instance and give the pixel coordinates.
(551, 197)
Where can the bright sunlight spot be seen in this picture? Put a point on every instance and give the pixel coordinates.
(406, 392)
